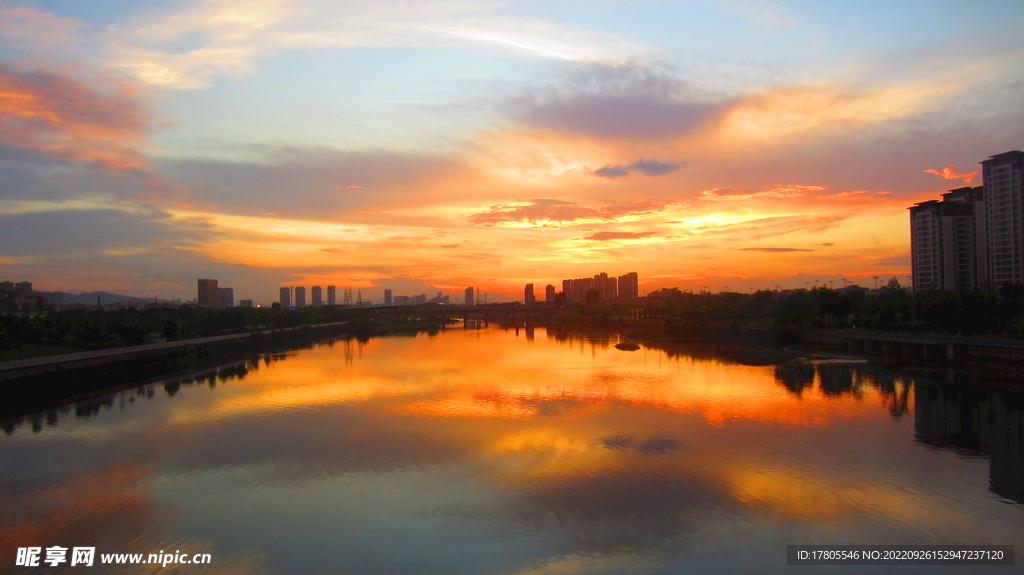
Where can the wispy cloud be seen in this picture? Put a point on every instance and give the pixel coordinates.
(646, 167)
(758, 227)
(950, 173)
(775, 250)
(801, 109)
(238, 33)
(728, 194)
(605, 236)
(541, 211)
(28, 24)
(847, 194)
(311, 176)
(898, 261)
(72, 117)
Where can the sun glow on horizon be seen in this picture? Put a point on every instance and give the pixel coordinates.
(463, 144)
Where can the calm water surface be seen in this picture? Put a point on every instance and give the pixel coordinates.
(494, 451)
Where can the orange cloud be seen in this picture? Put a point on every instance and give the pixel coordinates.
(63, 116)
(949, 173)
(726, 194)
(542, 211)
(786, 112)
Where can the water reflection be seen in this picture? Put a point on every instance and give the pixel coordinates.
(203, 374)
(839, 377)
(977, 422)
(796, 376)
(480, 451)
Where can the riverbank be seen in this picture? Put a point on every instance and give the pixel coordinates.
(22, 368)
(40, 384)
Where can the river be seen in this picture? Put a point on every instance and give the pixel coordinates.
(516, 451)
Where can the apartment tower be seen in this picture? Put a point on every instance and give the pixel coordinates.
(209, 295)
(942, 245)
(1003, 177)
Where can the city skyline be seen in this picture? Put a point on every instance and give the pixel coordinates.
(446, 145)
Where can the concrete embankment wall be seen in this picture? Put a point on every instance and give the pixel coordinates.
(986, 356)
(71, 362)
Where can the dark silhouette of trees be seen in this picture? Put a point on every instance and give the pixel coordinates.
(27, 335)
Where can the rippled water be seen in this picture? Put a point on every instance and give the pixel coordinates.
(500, 451)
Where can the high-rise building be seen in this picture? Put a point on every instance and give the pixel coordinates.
(549, 293)
(23, 286)
(6, 286)
(976, 197)
(226, 297)
(528, 294)
(942, 246)
(209, 295)
(974, 236)
(286, 297)
(300, 296)
(1003, 176)
(469, 297)
(402, 300)
(605, 286)
(332, 295)
(581, 287)
(245, 303)
(629, 286)
(318, 296)
(387, 297)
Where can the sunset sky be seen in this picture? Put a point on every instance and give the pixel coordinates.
(452, 143)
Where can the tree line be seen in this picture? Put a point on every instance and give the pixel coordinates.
(52, 331)
(995, 311)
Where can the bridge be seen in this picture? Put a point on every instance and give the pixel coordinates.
(938, 348)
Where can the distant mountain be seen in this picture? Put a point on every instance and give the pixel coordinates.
(105, 298)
